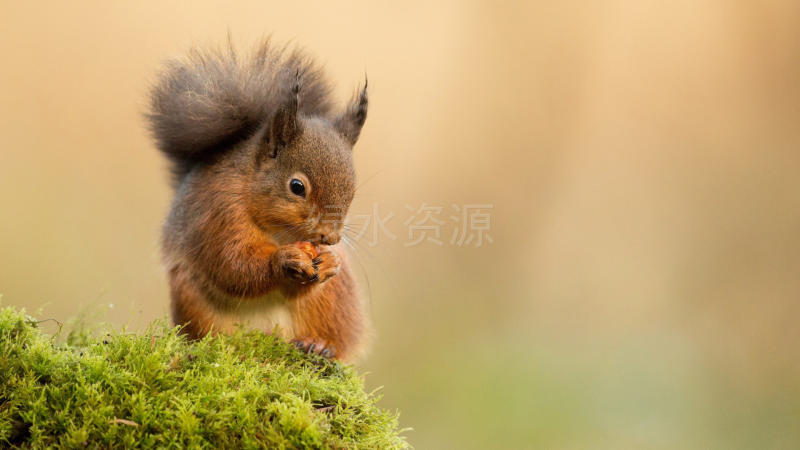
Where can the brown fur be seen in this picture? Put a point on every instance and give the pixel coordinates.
(237, 132)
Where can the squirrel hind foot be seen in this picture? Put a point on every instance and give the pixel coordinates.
(318, 346)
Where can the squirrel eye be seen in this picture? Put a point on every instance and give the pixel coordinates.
(297, 187)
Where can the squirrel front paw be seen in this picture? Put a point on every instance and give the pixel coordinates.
(327, 264)
(303, 263)
(292, 263)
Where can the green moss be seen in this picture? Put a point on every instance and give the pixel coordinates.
(157, 389)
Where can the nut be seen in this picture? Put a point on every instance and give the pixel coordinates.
(308, 248)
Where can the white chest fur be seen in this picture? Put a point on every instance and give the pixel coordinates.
(267, 314)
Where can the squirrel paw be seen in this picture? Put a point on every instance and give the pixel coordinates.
(318, 346)
(295, 264)
(327, 264)
(300, 265)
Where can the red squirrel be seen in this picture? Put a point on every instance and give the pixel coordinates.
(263, 174)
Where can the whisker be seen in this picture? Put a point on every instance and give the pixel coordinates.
(361, 248)
(355, 239)
(368, 179)
(362, 266)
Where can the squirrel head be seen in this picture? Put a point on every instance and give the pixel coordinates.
(304, 180)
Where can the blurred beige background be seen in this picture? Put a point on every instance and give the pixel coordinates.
(641, 157)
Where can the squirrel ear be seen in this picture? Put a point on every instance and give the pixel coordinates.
(283, 127)
(350, 122)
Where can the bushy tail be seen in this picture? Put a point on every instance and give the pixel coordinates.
(209, 101)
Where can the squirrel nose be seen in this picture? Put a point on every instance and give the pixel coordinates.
(329, 238)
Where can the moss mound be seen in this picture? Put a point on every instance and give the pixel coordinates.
(158, 390)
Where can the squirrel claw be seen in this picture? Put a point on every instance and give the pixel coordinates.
(305, 265)
(295, 264)
(327, 265)
(319, 347)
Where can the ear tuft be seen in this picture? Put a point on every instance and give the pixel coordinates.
(350, 122)
(283, 127)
